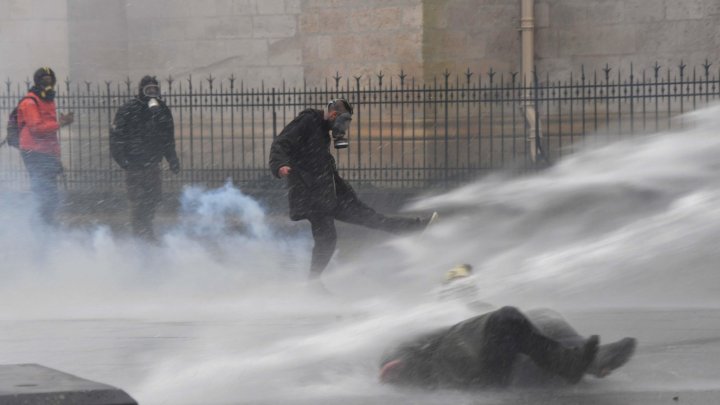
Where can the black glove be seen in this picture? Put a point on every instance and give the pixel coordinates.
(174, 166)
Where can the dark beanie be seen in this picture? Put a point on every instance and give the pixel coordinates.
(40, 73)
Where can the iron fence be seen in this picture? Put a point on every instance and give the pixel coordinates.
(404, 134)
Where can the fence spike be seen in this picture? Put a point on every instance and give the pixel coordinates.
(607, 70)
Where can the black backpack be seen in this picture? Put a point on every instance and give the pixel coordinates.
(13, 126)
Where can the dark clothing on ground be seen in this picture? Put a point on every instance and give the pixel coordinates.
(316, 191)
(480, 352)
(141, 136)
(43, 170)
(144, 187)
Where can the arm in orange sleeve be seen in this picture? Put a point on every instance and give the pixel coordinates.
(33, 120)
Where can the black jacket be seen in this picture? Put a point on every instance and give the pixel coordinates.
(315, 187)
(445, 357)
(140, 138)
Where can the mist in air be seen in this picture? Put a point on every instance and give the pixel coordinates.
(221, 311)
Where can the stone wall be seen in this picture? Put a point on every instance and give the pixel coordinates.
(620, 32)
(469, 34)
(361, 38)
(33, 33)
(310, 40)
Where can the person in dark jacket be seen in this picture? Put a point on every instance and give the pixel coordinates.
(481, 352)
(301, 154)
(143, 133)
(39, 143)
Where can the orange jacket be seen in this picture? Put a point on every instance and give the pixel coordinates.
(39, 126)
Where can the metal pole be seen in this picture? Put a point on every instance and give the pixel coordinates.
(527, 30)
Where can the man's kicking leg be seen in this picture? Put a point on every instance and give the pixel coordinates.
(358, 213)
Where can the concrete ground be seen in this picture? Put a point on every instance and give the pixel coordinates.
(677, 360)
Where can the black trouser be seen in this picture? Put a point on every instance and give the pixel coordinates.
(43, 170)
(482, 350)
(144, 188)
(357, 213)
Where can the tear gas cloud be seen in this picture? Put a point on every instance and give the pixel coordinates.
(221, 311)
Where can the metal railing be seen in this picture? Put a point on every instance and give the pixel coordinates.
(405, 134)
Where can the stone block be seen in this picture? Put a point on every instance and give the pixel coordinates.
(271, 7)
(678, 36)
(94, 10)
(293, 7)
(542, 15)
(154, 9)
(413, 16)
(163, 30)
(407, 47)
(48, 10)
(482, 18)
(379, 19)
(245, 7)
(229, 27)
(347, 47)
(324, 47)
(691, 9)
(502, 44)
(274, 26)
(284, 52)
(34, 384)
(640, 11)
(435, 15)
(291, 75)
(546, 43)
(598, 40)
(309, 23)
(224, 7)
(142, 30)
(563, 13)
(247, 52)
(329, 21)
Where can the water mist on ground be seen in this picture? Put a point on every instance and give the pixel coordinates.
(221, 312)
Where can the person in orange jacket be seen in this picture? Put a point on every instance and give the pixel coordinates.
(39, 144)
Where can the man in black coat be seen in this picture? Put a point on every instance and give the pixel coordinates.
(301, 154)
(489, 350)
(143, 133)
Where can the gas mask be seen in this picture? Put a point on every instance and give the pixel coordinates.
(339, 130)
(47, 87)
(152, 92)
(341, 124)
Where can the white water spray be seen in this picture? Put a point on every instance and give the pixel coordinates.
(221, 313)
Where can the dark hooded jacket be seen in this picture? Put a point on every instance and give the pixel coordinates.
(314, 186)
(141, 137)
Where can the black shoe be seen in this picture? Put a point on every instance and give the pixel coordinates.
(612, 356)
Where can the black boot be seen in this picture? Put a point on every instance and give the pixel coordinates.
(571, 364)
(612, 356)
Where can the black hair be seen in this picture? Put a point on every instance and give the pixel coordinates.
(340, 105)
